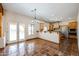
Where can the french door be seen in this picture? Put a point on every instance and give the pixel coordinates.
(21, 32)
(16, 32)
(12, 32)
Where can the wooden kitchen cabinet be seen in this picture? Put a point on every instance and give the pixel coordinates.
(41, 27)
(1, 14)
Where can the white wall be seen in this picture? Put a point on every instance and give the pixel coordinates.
(2, 43)
(17, 18)
(14, 17)
(78, 30)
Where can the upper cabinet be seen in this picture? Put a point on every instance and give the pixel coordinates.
(73, 25)
(41, 27)
(51, 27)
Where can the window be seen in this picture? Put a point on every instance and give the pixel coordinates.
(21, 31)
(30, 29)
(16, 32)
(13, 32)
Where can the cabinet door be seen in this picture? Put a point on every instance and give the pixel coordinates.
(21, 32)
(73, 25)
(41, 27)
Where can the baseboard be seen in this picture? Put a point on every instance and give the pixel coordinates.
(42, 39)
(49, 41)
(21, 41)
(32, 38)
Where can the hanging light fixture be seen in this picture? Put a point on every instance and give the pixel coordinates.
(35, 12)
(35, 16)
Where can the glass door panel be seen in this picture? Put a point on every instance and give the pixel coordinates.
(13, 32)
(21, 32)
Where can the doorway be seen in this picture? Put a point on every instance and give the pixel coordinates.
(21, 32)
(12, 32)
(16, 32)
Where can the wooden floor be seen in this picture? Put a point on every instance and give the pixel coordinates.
(33, 47)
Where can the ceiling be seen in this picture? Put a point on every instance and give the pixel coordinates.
(45, 11)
